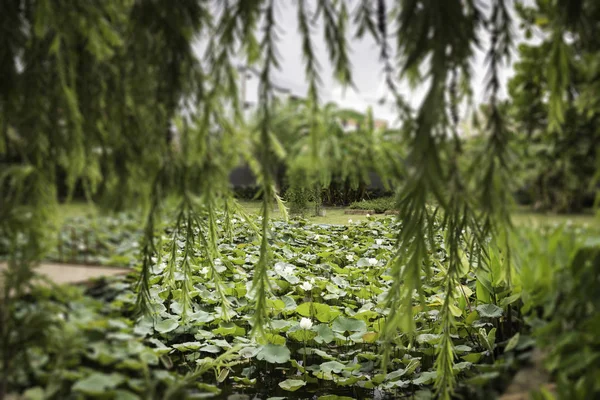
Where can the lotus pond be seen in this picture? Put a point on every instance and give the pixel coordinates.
(326, 309)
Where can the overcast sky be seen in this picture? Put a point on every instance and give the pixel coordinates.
(366, 68)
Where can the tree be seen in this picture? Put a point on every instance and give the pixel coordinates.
(559, 157)
(112, 75)
(345, 158)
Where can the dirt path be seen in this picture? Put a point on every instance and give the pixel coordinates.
(74, 273)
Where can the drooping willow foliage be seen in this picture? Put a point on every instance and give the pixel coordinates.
(89, 91)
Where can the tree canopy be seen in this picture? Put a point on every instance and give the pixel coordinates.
(89, 89)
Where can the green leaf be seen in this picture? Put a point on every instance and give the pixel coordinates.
(290, 303)
(483, 288)
(461, 348)
(483, 379)
(166, 325)
(425, 378)
(428, 338)
(210, 348)
(488, 338)
(187, 346)
(343, 324)
(510, 299)
(332, 366)
(291, 385)
(125, 395)
(35, 393)
(489, 311)
(473, 357)
(229, 329)
(274, 339)
(302, 335)
(200, 317)
(512, 343)
(98, 383)
(324, 333)
(274, 354)
(322, 312)
(456, 312)
(370, 337)
(395, 374)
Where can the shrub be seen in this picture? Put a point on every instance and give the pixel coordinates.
(249, 192)
(379, 205)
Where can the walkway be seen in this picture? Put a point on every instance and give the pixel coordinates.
(74, 273)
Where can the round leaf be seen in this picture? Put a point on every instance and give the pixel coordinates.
(166, 325)
(489, 311)
(274, 354)
(291, 385)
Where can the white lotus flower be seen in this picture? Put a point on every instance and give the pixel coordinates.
(350, 221)
(379, 242)
(349, 257)
(372, 261)
(306, 323)
(306, 286)
(345, 237)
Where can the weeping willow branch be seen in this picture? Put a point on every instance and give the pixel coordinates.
(495, 196)
(311, 64)
(260, 284)
(149, 250)
(334, 29)
(431, 42)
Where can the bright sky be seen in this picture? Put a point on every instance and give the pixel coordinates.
(366, 67)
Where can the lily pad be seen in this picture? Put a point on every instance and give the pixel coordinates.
(332, 366)
(343, 324)
(489, 311)
(323, 312)
(275, 354)
(98, 383)
(166, 325)
(291, 385)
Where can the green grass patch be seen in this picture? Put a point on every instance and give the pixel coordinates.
(379, 205)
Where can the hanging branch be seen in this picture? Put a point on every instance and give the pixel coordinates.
(260, 284)
(432, 41)
(149, 250)
(311, 64)
(364, 20)
(334, 30)
(494, 197)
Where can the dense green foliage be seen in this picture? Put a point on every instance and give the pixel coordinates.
(379, 205)
(559, 155)
(90, 92)
(333, 277)
(346, 157)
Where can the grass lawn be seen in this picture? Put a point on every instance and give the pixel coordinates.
(521, 216)
(74, 209)
(335, 215)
